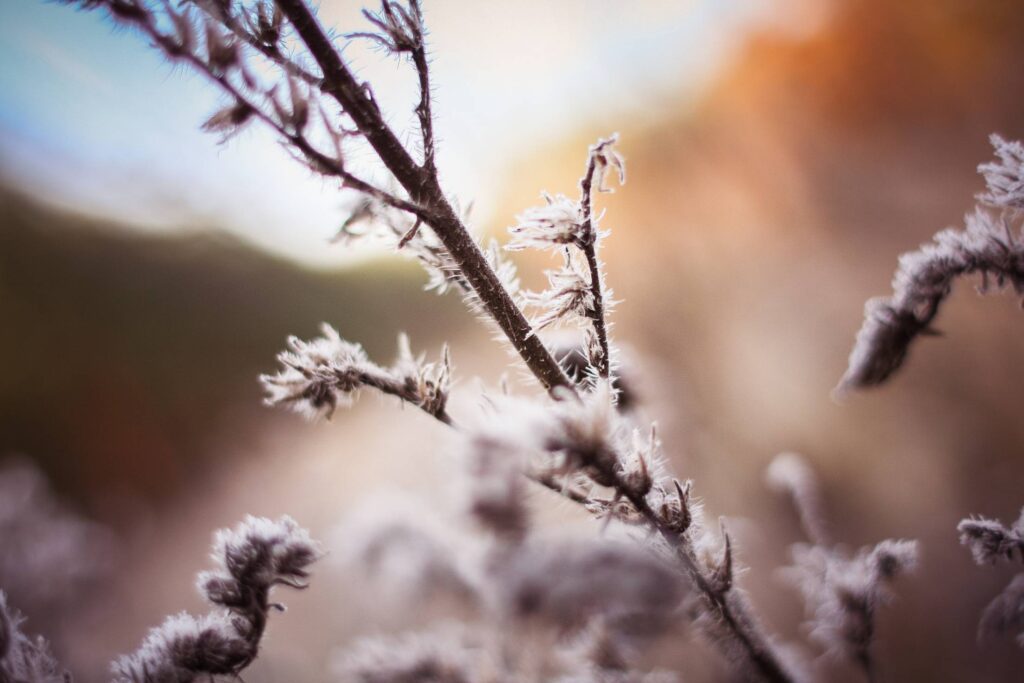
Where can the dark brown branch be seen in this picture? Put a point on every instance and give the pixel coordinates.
(424, 189)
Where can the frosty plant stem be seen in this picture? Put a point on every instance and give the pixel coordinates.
(601, 156)
(422, 185)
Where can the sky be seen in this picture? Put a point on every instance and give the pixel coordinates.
(94, 119)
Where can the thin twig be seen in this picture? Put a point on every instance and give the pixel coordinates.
(424, 189)
(589, 248)
(270, 51)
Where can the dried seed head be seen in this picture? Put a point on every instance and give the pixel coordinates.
(556, 224)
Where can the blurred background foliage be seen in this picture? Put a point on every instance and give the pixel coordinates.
(758, 218)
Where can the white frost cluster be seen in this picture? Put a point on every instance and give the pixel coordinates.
(251, 559)
(320, 375)
(1004, 178)
(556, 224)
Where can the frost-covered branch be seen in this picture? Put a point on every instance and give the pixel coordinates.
(1004, 178)
(1005, 614)
(991, 245)
(577, 288)
(304, 109)
(251, 560)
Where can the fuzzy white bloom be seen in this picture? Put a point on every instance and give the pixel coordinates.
(1004, 178)
(24, 659)
(255, 556)
(843, 593)
(424, 384)
(251, 559)
(556, 224)
(568, 295)
(589, 433)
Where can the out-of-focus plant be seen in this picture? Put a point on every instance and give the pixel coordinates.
(24, 659)
(991, 244)
(51, 556)
(842, 592)
(990, 541)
